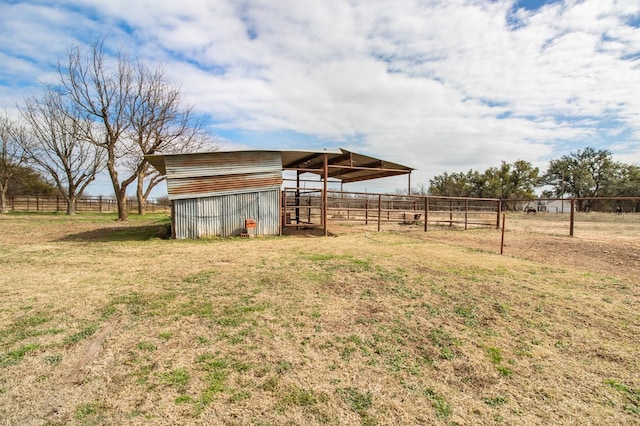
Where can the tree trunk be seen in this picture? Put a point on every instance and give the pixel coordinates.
(71, 206)
(4, 208)
(123, 211)
(140, 194)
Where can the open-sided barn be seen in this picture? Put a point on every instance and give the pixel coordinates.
(223, 193)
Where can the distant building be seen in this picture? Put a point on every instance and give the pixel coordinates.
(554, 206)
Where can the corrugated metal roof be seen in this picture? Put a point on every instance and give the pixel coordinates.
(344, 165)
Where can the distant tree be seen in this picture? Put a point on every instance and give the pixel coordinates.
(135, 112)
(421, 189)
(58, 146)
(13, 136)
(585, 173)
(456, 184)
(515, 181)
(28, 181)
(628, 183)
(509, 181)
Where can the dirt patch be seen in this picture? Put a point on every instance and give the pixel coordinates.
(604, 244)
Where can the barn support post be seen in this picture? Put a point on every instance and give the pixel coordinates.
(297, 197)
(325, 197)
(281, 212)
(572, 216)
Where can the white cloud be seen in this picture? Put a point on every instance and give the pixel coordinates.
(439, 85)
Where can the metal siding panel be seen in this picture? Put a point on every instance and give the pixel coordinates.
(225, 215)
(186, 214)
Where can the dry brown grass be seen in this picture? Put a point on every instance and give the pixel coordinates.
(105, 323)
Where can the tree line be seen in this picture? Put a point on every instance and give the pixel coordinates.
(98, 114)
(584, 173)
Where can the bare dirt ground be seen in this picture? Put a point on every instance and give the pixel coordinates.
(602, 243)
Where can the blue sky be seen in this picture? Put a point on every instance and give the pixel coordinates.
(438, 85)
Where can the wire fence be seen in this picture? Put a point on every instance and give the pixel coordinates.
(93, 204)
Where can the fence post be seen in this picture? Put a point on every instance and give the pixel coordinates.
(366, 211)
(571, 216)
(426, 213)
(379, 210)
(100, 204)
(57, 203)
(466, 213)
(504, 218)
(450, 213)
(499, 202)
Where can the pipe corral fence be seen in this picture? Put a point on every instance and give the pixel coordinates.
(303, 207)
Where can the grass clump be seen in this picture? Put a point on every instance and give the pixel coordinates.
(439, 403)
(632, 396)
(15, 356)
(178, 378)
(495, 355)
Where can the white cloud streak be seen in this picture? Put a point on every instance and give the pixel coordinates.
(438, 85)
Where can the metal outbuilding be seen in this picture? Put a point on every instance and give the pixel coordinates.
(215, 193)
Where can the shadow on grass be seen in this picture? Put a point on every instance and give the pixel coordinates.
(123, 233)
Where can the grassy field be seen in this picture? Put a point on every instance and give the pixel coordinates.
(109, 323)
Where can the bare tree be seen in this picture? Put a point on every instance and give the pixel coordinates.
(59, 147)
(137, 112)
(159, 123)
(13, 136)
(102, 96)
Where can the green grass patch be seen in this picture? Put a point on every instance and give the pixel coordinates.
(495, 401)
(200, 278)
(81, 335)
(178, 378)
(439, 403)
(632, 396)
(15, 356)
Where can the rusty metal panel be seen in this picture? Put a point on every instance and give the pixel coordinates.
(225, 215)
(218, 173)
(203, 186)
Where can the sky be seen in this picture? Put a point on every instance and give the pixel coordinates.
(437, 85)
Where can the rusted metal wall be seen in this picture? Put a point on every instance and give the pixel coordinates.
(224, 215)
(218, 173)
